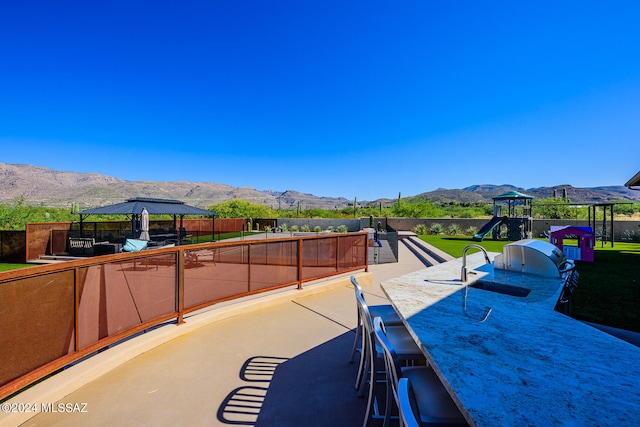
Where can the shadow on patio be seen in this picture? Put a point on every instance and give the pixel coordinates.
(313, 388)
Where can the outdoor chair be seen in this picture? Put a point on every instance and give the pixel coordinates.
(386, 311)
(372, 357)
(434, 404)
(81, 246)
(407, 404)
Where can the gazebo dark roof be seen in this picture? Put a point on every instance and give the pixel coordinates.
(512, 195)
(154, 207)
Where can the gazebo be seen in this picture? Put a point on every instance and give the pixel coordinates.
(134, 207)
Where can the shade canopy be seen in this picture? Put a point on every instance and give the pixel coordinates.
(512, 195)
(151, 206)
(135, 205)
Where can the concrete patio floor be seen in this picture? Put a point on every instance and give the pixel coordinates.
(282, 362)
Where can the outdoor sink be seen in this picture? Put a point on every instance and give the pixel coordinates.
(500, 288)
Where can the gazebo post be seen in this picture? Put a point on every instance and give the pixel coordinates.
(175, 225)
(604, 224)
(180, 230)
(612, 239)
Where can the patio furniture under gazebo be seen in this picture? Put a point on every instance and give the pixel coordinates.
(134, 207)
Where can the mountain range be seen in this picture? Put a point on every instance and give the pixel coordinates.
(39, 185)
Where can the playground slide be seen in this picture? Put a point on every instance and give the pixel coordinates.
(488, 227)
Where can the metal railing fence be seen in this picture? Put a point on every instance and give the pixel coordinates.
(56, 314)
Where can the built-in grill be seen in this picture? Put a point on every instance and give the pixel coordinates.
(532, 256)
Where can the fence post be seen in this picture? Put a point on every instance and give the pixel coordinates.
(366, 253)
(337, 253)
(180, 286)
(300, 263)
(249, 267)
(76, 309)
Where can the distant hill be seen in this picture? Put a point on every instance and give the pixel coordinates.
(485, 193)
(43, 186)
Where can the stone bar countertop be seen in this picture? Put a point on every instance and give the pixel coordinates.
(526, 364)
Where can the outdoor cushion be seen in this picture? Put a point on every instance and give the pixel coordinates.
(134, 245)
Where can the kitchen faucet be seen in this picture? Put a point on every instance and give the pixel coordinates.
(463, 276)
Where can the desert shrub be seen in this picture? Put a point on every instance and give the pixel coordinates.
(471, 231)
(420, 230)
(294, 228)
(267, 229)
(317, 229)
(330, 229)
(436, 229)
(454, 230)
(342, 229)
(284, 227)
(305, 228)
(631, 235)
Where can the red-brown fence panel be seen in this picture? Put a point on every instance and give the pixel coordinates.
(117, 296)
(215, 274)
(54, 315)
(36, 322)
(274, 264)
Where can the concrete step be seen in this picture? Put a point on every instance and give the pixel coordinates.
(431, 250)
(420, 253)
(53, 259)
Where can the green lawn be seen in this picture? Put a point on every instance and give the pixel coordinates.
(609, 288)
(9, 266)
(453, 245)
(222, 236)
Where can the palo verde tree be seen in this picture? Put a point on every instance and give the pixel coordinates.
(238, 208)
(16, 215)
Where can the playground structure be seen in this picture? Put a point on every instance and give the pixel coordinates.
(517, 220)
(584, 251)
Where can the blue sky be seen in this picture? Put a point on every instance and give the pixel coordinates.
(358, 99)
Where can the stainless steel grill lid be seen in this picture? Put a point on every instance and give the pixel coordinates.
(531, 256)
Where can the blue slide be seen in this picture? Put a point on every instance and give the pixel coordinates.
(488, 227)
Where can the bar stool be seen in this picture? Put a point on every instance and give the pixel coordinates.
(372, 355)
(432, 401)
(385, 311)
(407, 404)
